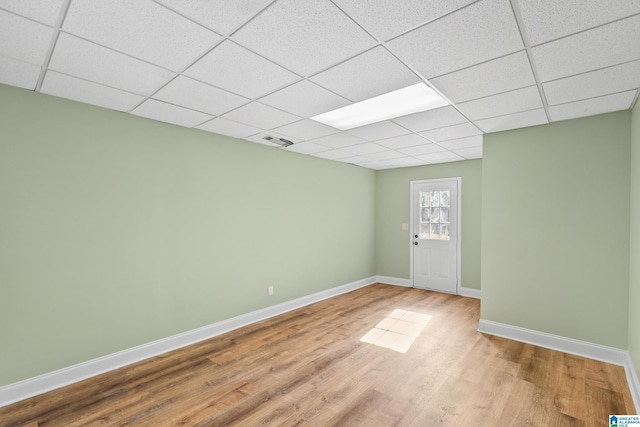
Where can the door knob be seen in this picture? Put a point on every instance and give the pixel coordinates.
(415, 243)
(416, 236)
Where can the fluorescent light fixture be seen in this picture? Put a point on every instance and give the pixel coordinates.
(401, 102)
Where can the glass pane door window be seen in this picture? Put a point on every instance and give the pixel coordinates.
(434, 215)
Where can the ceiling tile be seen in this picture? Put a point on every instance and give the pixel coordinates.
(333, 154)
(142, 28)
(590, 107)
(354, 160)
(198, 96)
(524, 99)
(514, 121)
(497, 76)
(295, 99)
(377, 165)
(306, 129)
(432, 119)
(407, 161)
(18, 73)
(470, 153)
(169, 113)
(480, 32)
(261, 116)
(45, 11)
(364, 149)
(451, 132)
(229, 128)
(546, 20)
(442, 157)
(590, 50)
(307, 148)
(403, 141)
(468, 142)
(89, 61)
(221, 16)
(305, 36)
(23, 39)
(338, 140)
(354, 80)
(260, 138)
(378, 131)
(90, 93)
(596, 83)
(252, 76)
(419, 150)
(386, 18)
(385, 155)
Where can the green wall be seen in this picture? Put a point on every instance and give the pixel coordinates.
(555, 228)
(117, 230)
(634, 250)
(393, 209)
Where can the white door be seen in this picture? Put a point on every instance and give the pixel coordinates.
(435, 232)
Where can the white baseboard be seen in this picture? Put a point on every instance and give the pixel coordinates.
(599, 352)
(465, 292)
(632, 380)
(394, 281)
(30, 387)
(470, 292)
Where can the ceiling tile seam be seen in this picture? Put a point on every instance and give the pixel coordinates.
(94, 82)
(367, 142)
(213, 116)
(228, 37)
(591, 71)
(431, 21)
(498, 93)
(176, 74)
(342, 61)
(203, 25)
(11, 12)
(635, 99)
(224, 118)
(444, 148)
(430, 85)
(407, 129)
(244, 24)
(477, 63)
(597, 97)
(504, 115)
(299, 81)
(338, 64)
(52, 44)
(269, 106)
(210, 85)
(62, 30)
(588, 29)
(353, 20)
(182, 15)
(207, 51)
(527, 47)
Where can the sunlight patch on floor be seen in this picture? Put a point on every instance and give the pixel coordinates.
(398, 330)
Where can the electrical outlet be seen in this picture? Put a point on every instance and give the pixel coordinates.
(270, 290)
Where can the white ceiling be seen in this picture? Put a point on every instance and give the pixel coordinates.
(251, 68)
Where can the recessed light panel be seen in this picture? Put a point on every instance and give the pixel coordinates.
(412, 99)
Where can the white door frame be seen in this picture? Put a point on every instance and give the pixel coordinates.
(459, 226)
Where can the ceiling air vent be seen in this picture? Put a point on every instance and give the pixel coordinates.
(280, 141)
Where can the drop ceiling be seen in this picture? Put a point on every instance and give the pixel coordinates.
(252, 68)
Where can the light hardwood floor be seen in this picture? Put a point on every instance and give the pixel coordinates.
(308, 367)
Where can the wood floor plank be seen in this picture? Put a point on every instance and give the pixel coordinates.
(308, 368)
